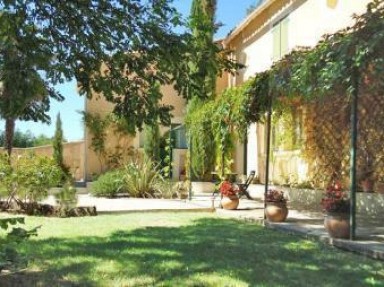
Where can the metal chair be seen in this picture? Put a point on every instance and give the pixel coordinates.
(243, 187)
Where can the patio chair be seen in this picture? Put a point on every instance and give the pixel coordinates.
(243, 187)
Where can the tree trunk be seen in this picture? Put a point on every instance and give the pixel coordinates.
(9, 133)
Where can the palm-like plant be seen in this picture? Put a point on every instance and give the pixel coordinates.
(142, 178)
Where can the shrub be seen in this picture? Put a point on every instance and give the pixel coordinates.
(35, 175)
(173, 189)
(142, 178)
(109, 184)
(28, 177)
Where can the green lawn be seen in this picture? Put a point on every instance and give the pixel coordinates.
(183, 249)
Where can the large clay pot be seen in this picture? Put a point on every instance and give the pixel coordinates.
(276, 211)
(367, 185)
(230, 202)
(337, 225)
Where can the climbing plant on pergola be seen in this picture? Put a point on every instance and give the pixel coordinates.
(339, 67)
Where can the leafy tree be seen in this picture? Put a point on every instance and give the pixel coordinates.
(43, 140)
(20, 139)
(63, 40)
(23, 94)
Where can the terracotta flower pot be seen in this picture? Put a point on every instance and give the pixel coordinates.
(276, 211)
(367, 185)
(230, 202)
(337, 225)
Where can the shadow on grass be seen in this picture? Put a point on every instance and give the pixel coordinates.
(210, 252)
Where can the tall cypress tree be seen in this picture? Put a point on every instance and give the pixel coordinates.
(58, 146)
(205, 65)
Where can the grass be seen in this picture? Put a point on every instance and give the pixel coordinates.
(182, 249)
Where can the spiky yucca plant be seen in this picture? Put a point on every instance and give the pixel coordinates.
(142, 178)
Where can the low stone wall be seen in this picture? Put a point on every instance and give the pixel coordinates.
(73, 153)
(199, 187)
(367, 204)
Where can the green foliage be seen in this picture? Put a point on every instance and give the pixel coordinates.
(42, 140)
(97, 126)
(142, 178)
(330, 67)
(29, 176)
(324, 78)
(166, 145)
(5, 175)
(66, 198)
(10, 257)
(200, 136)
(152, 142)
(26, 139)
(224, 120)
(109, 184)
(204, 66)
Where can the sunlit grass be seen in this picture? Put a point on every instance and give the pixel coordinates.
(183, 249)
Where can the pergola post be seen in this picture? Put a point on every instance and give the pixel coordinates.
(268, 147)
(354, 120)
(190, 169)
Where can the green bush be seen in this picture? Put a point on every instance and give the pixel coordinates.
(142, 178)
(28, 177)
(109, 184)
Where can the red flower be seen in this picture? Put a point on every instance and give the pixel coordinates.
(335, 199)
(275, 196)
(227, 189)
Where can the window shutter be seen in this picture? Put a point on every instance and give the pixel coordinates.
(284, 36)
(276, 42)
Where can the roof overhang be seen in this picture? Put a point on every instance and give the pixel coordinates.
(247, 20)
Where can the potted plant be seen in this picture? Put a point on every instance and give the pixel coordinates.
(336, 206)
(229, 198)
(276, 209)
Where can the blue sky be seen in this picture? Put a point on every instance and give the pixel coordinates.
(229, 12)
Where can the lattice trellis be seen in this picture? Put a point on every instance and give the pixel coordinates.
(327, 140)
(370, 141)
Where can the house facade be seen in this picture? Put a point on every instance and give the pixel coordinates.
(118, 144)
(272, 30)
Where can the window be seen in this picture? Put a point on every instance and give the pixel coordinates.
(280, 38)
(179, 136)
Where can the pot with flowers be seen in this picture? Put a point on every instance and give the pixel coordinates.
(336, 205)
(229, 198)
(276, 209)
